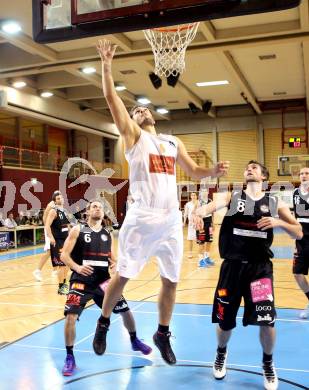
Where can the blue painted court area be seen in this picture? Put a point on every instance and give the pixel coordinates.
(35, 362)
(18, 255)
(283, 252)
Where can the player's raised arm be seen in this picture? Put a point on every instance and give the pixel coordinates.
(213, 206)
(126, 126)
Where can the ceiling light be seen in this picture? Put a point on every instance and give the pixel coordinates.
(11, 27)
(212, 83)
(46, 94)
(120, 87)
(143, 100)
(89, 70)
(19, 84)
(162, 110)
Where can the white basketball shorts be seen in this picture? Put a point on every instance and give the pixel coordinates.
(151, 232)
(191, 232)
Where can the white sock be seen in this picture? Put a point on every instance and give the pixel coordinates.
(206, 254)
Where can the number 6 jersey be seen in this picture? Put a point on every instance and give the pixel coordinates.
(94, 249)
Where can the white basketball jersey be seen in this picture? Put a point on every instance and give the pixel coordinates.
(152, 162)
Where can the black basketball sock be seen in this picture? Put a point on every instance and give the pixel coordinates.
(132, 336)
(267, 358)
(163, 328)
(69, 350)
(104, 321)
(221, 349)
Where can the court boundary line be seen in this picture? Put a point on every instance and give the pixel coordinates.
(147, 312)
(179, 365)
(155, 358)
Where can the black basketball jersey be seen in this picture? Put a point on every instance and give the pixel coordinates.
(301, 211)
(94, 249)
(240, 238)
(59, 227)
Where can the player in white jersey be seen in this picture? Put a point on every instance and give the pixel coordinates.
(153, 224)
(188, 214)
(37, 273)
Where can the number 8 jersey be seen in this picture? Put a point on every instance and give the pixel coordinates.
(240, 238)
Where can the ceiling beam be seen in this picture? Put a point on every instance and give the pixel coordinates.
(239, 78)
(305, 47)
(294, 37)
(208, 30)
(304, 22)
(93, 79)
(258, 30)
(59, 80)
(25, 43)
(98, 104)
(304, 15)
(233, 69)
(96, 81)
(84, 93)
(84, 54)
(122, 41)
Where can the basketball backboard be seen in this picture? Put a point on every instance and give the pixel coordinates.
(291, 165)
(61, 20)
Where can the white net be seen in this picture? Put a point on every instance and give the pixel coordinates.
(169, 47)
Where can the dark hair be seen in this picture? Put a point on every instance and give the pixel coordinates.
(131, 112)
(265, 171)
(55, 194)
(92, 201)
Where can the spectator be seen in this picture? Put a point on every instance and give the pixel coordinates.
(20, 218)
(10, 222)
(1, 220)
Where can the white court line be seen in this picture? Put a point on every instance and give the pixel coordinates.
(112, 322)
(32, 305)
(185, 278)
(10, 290)
(156, 359)
(209, 315)
(144, 312)
(43, 305)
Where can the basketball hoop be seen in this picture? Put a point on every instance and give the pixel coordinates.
(169, 47)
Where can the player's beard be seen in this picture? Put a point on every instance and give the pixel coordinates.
(147, 122)
(96, 218)
(251, 180)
